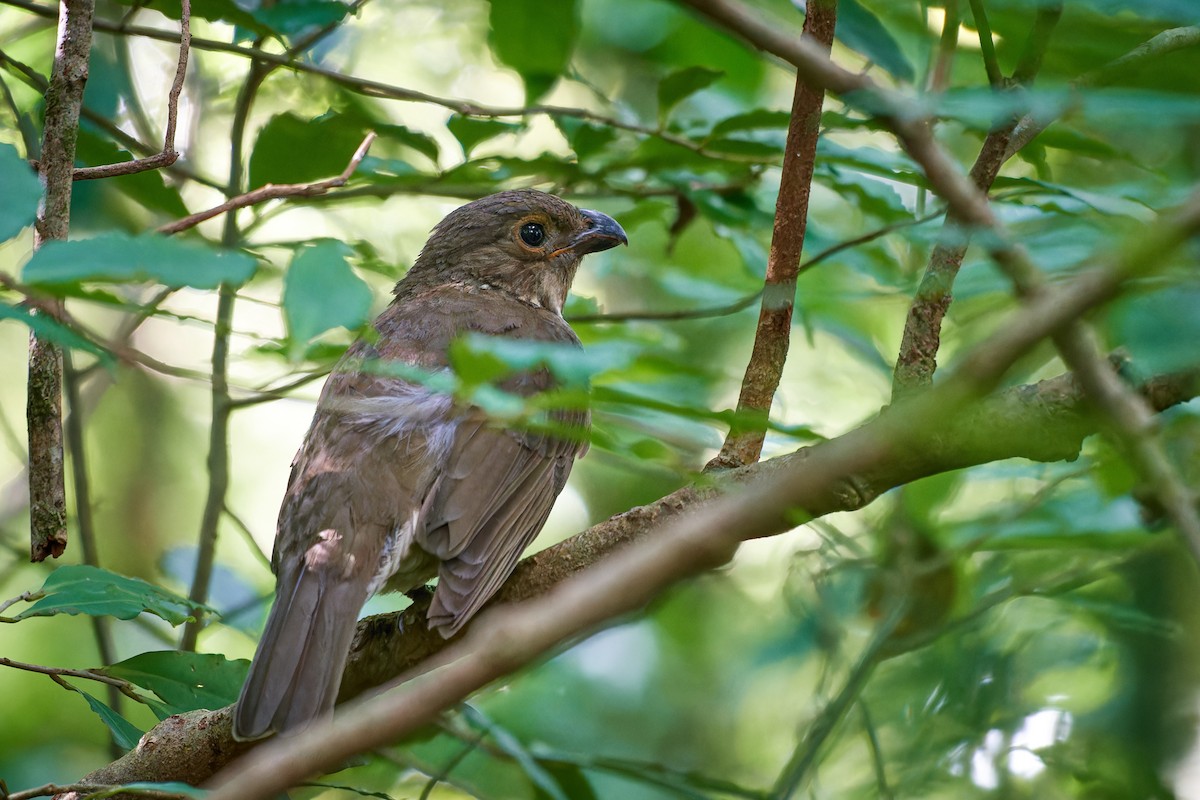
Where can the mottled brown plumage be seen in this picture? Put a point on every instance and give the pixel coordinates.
(394, 483)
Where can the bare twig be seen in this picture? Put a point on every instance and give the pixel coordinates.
(272, 192)
(23, 597)
(743, 444)
(124, 687)
(86, 523)
(168, 156)
(47, 485)
(89, 789)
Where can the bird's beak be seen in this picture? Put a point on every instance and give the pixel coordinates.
(604, 233)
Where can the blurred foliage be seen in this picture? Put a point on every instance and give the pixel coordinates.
(1034, 625)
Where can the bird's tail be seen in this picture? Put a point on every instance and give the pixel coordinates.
(298, 666)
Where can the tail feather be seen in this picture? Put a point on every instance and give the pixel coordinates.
(298, 666)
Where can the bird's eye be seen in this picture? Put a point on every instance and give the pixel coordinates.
(533, 234)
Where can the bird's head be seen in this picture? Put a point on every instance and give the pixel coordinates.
(522, 242)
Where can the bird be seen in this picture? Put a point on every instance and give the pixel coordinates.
(396, 483)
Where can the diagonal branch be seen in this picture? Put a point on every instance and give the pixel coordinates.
(917, 359)
(744, 444)
(273, 191)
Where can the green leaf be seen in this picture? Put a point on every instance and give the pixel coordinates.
(185, 681)
(83, 589)
(535, 38)
(327, 142)
(1161, 329)
(294, 16)
(124, 732)
(585, 138)
(679, 85)
(546, 784)
(758, 119)
(424, 144)
(321, 292)
(116, 257)
(861, 31)
(493, 356)
(22, 192)
(49, 328)
(470, 131)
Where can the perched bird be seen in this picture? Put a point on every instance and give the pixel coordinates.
(396, 483)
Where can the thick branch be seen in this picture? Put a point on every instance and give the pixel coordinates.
(47, 488)
(771, 338)
(1047, 421)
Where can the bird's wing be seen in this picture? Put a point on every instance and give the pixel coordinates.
(352, 493)
(491, 500)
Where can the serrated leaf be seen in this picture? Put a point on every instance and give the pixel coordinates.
(861, 31)
(184, 681)
(96, 592)
(470, 131)
(321, 292)
(327, 142)
(117, 257)
(535, 38)
(51, 329)
(677, 86)
(22, 192)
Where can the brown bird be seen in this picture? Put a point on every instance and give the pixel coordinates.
(396, 483)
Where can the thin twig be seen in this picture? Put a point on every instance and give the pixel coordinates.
(772, 336)
(86, 522)
(23, 597)
(218, 436)
(125, 687)
(272, 192)
(168, 155)
(819, 730)
(85, 790)
(35, 81)
(248, 536)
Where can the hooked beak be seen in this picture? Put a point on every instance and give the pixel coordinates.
(604, 234)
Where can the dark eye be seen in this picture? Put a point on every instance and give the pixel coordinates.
(533, 234)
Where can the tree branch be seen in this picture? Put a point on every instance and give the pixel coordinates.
(917, 359)
(744, 444)
(64, 97)
(273, 191)
(1044, 422)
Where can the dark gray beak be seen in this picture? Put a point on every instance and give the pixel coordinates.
(604, 234)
